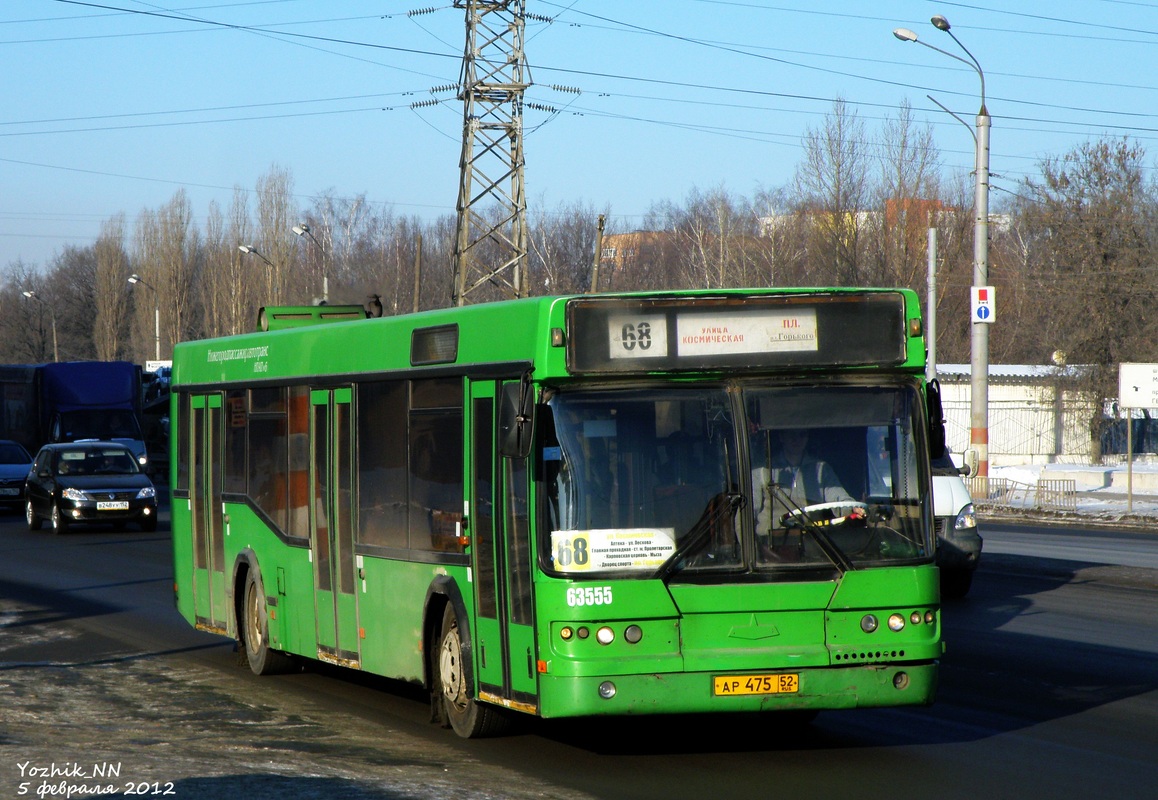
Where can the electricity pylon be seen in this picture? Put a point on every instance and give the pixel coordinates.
(491, 247)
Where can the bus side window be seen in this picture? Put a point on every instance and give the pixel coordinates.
(382, 464)
(436, 479)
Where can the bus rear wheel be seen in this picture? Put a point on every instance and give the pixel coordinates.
(469, 718)
(255, 631)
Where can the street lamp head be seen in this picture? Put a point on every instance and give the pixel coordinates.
(247, 249)
(904, 34)
(134, 278)
(301, 230)
(30, 295)
(940, 23)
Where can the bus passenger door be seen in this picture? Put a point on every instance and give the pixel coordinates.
(500, 545)
(331, 525)
(206, 446)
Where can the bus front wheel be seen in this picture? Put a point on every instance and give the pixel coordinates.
(468, 717)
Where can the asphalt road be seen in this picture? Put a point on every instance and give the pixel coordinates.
(1049, 689)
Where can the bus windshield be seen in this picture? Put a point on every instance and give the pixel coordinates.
(706, 479)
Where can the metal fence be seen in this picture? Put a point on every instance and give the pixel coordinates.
(1048, 494)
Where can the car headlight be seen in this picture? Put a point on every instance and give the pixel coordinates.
(143, 459)
(966, 519)
(75, 495)
(146, 493)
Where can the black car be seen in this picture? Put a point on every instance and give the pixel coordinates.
(88, 482)
(14, 465)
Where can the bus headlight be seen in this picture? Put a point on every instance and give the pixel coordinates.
(605, 635)
(896, 623)
(869, 623)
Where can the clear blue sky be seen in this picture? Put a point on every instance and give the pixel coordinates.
(112, 106)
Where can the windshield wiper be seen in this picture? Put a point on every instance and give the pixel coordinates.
(722, 506)
(823, 540)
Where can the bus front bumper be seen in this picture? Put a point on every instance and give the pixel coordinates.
(814, 689)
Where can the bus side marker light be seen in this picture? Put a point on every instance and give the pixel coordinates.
(607, 690)
(361, 633)
(557, 337)
(929, 617)
(541, 665)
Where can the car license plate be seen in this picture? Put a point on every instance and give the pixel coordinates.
(9, 492)
(731, 685)
(113, 505)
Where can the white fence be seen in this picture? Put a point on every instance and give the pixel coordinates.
(1027, 422)
(1048, 494)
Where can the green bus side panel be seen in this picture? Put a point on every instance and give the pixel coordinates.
(391, 597)
(524, 677)
(286, 574)
(488, 651)
(182, 559)
(209, 595)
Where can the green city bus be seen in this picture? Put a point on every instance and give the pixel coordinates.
(572, 506)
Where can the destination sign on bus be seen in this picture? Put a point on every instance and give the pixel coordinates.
(712, 334)
(606, 549)
(666, 333)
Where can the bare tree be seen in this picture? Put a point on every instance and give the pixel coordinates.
(166, 252)
(832, 191)
(276, 216)
(111, 292)
(909, 201)
(26, 323)
(1092, 249)
(71, 282)
(226, 294)
(562, 243)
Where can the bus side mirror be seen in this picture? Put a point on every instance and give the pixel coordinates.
(516, 419)
(936, 416)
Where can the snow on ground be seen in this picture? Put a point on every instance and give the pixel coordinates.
(1106, 492)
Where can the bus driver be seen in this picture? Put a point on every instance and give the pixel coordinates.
(794, 478)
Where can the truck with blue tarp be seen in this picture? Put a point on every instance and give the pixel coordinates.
(72, 400)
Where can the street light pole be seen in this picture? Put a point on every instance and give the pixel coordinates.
(31, 295)
(250, 250)
(979, 360)
(304, 230)
(134, 279)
